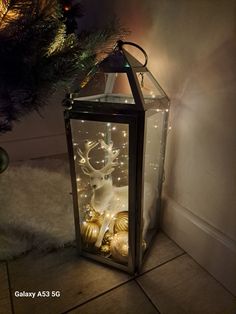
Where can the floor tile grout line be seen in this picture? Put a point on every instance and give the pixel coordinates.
(155, 267)
(121, 284)
(9, 287)
(99, 295)
(147, 296)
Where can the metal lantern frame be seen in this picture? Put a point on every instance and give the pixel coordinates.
(121, 61)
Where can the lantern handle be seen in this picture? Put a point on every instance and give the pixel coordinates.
(121, 43)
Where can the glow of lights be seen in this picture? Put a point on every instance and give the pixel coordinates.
(118, 178)
(67, 8)
(126, 101)
(82, 121)
(167, 110)
(78, 179)
(155, 126)
(114, 128)
(170, 128)
(158, 110)
(108, 124)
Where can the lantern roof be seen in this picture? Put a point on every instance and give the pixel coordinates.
(121, 82)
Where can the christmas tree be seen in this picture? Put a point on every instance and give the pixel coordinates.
(40, 52)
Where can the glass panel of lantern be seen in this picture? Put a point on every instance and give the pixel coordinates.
(116, 132)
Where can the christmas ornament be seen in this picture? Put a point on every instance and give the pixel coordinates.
(89, 232)
(121, 222)
(4, 160)
(97, 218)
(120, 247)
(107, 238)
(105, 249)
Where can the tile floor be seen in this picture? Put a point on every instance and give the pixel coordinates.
(171, 283)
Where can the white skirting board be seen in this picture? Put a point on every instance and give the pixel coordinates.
(35, 147)
(212, 249)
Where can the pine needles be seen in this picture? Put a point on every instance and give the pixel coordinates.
(37, 56)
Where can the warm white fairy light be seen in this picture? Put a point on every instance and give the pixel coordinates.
(114, 128)
(126, 101)
(108, 124)
(155, 126)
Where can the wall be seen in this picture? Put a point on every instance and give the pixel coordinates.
(192, 49)
(37, 135)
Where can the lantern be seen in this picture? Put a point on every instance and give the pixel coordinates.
(116, 128)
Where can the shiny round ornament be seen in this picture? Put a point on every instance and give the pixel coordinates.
(105, 249)
(89, 232)
(107, 238)
(97, 218)
(120, 247)
(121, 222)
(4, 160)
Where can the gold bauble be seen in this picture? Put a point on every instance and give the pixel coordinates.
(97, 218)
(107, 237)
(89, 232)
(105, 249)
(120, 246)
(121, 222)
